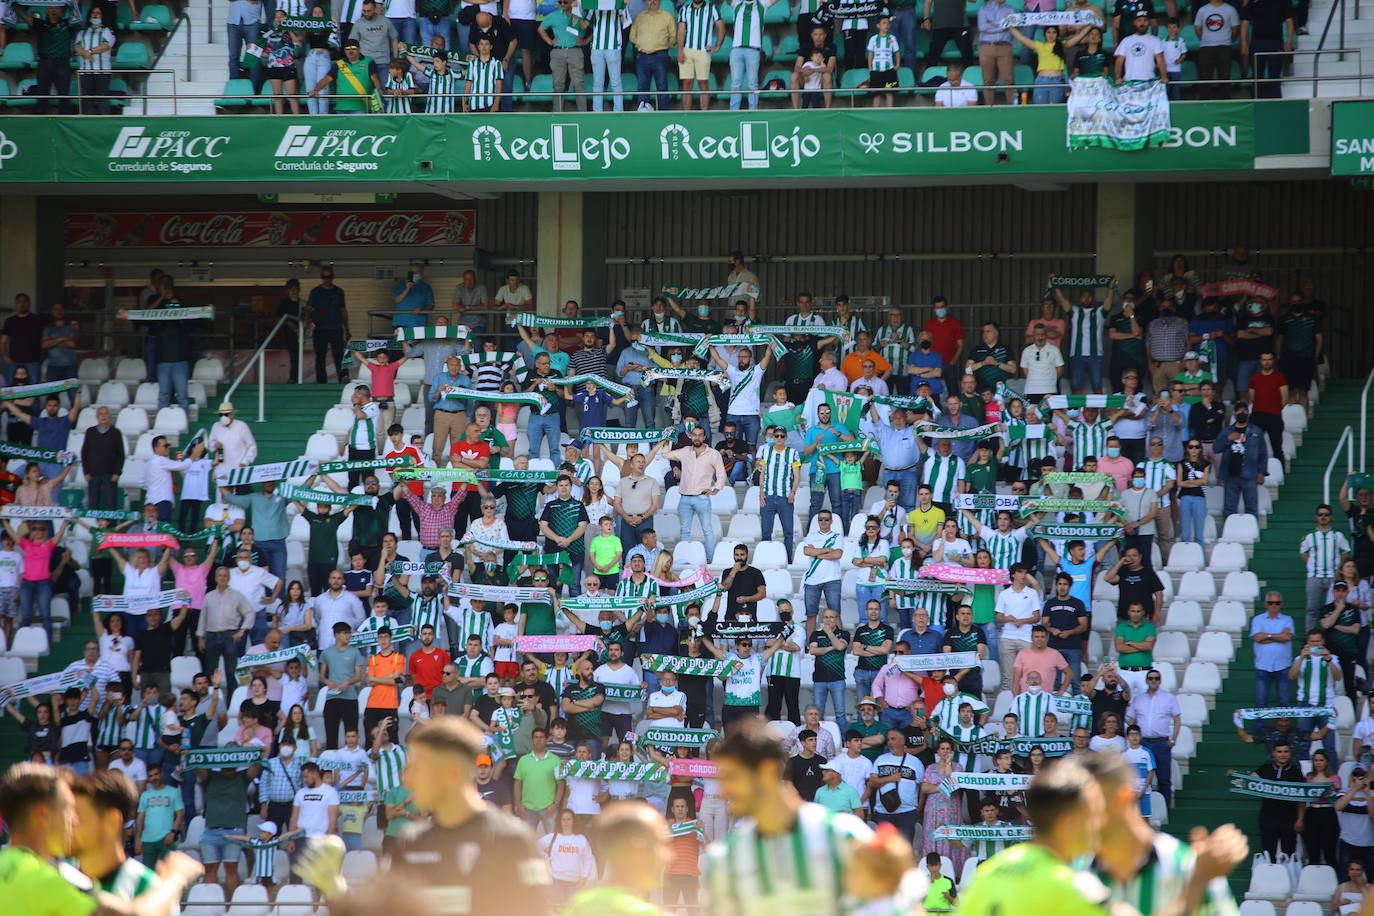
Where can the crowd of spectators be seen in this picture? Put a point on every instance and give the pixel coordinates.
(1148, 397)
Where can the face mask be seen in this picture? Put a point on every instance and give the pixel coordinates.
(1242, 419)
(940, 313)
(416, 278)
(606, 626)
(1256, 308)
(618, 313)
(689, 426)
(1113, 452)
(287, 751)
(1073, 414)
(693, 621)
(244, 565)
(949, 689)
(744, 618)
(785, 616)
(226, 419)
(703, 310)
(663, 618)
(1138, 483)
(906, 552)
(676, 358)
(1033, 690)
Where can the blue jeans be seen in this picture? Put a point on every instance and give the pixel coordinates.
(832, 487)
(151, 756)
(406, 28)
(607, 64)
(274, 552)
(35, 598)
(851, 503)
(645, 400)
(739, 471)
(80, 768)
(1192, 514)
(1244, 369)
(700, 506)
(747, 427)
(443, 27)
(316, 65)
(1084, 369)
(1307, 726)
(1273, 688)
(650, 69)
(863, 682)
(895, 718)
(541, 427)
(813, 597)
(1233, 489)
(238, 36)
(629, 534)
(744, 74)
(1074, 659)
(779, 507)
(1164, 770)
(904, 479)
(866, 593)
(834, 691)
(1049, 90)
(904, 23)
(171, 379)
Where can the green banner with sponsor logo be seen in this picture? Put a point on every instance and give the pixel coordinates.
(1352, 138)
(718, 145)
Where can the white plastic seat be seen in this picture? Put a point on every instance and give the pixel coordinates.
(1316, 882)
(966, 876)
(413, 419)
(132, 421)
(1172, 647)
(249, 899)
(359, 865)
(1186, 745)
(744, 527)
(84, 421)
(172, 420)
(725, 502)
(1295, 421)
(204, 900)
(779, 583)
(750, 503)
(194, 830)
(29, 643)
(1256, 908)
(143, 447)
(1269, 882)
(1104, 616)
(768, 554)
(689, 555)
(145, 395)
(112, 395)
(184, 671)
(130, 369)
(197, 393)
(294, 900)
(1192, 709)
(322, 446)
(93, 369)
(1345, 713)
(724, 555)
(672, 497)
(1201, 677)
(209, 369)
(1229, 616)
(338, 420)
(1241, 528)
(1198, 586)
(1159, 811)
(11, 669)
(1274, 475)
(1214, 647)
(1183, 615)
(1242, 586)
(1304, 907)
(1185, 557)
(1227, 556)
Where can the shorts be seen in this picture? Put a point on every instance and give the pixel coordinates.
(525, 30)
(1299, 370)
(506, 671)
(882, 79)
(215, 848)
(696, 65)
(9, 601)
(281, 73)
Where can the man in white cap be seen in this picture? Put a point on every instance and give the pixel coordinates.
(233, 439)
(1191, 377)
(837, 795)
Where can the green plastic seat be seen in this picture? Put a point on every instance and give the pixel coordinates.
(785, 76)
(722, 54)
(238, 93)
(20, 100)
(851, 80)
(119, 87)
(779, 12)
(154, 18)
(18, 55)
(727, 13)
(132, 55)
(541, 88)
(786, 50)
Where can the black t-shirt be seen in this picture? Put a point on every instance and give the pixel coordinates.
(1064, 614)
(739, 451)
(76, 744)
(41, 738)
(543, 689)
(828, 52)
(266, 711)
(1008, 802)
(1360, 521)
(1138, 585)
(488, 864)
(1251, 348)
(484, 706)
(156, 648)
(1266, 18)
(746, 582)
(25, 334)
(1290, 773)
(495, 792)
(1204, 423)
(500, 34)
(805, 774)
(1105, 701)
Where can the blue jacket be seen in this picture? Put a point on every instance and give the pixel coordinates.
(1256, 445)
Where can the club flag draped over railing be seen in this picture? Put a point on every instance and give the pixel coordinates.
(1132, 116)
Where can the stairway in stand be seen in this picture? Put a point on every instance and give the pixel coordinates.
(1205, 799)
(293, 413)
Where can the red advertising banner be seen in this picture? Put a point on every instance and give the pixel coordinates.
(270, 229)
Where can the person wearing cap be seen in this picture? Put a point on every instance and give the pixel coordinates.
(232, 440)
(872, 732)
(354, 78)
(1191, 377)
(1340, 619)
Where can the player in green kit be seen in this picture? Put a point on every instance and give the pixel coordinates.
(1066, 806)
(633, 850)
(105, 801)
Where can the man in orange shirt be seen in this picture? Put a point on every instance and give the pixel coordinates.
(853, 365)
(427, 662)
(386, 672)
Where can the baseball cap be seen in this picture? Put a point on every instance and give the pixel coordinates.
(268, 827)
(1191, 354)
(506, 692)
(830, 766)
(483, 760)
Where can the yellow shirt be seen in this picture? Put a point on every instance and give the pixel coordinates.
(654, 30)
(1046, 59)
(925, 523)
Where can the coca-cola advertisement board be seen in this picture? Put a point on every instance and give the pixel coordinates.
(294, 229)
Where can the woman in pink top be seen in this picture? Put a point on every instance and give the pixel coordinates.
(37, 490)
(384, 386)
(190, 574)
(35, 587)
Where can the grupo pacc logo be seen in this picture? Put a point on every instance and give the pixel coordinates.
(8, 149)
(136, 150)
(307, 148)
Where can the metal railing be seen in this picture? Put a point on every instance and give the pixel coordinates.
(1335, 15)
(1364, 422)
(260, 359)
(1347, 439)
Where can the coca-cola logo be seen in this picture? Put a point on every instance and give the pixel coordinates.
(214, 229)
(392, 229)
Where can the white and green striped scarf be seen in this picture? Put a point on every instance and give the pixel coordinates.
(261, 473)
(499, 543)
(185, 313)
(614, 388)
(325, 497)
(617, 434)
(530, 320)
(15, 392)
(1067, 401)
(628, 771)
(682, 664)
(729, 291)
(530, 398)
(437, 332)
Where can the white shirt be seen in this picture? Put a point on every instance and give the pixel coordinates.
(294, 693)
(135, 769)
(1363, 731)
(115, 651)
(875, 385)
(195, 480)
(235, 443)
(826, 570)
(358, 758)
(950, 96)
(624, 676)
(1216, 21)
(1139, 53)
(1040, 364)
(907, 787)
(225, 514)
(312, 807)
(746, 403)
(157, 478)
(663, 700)
(141, 581)
(582, 795)
(1025, 605)
(11, 568)
(519, 297)
(330, 610)
(250, 585)
(854, 771)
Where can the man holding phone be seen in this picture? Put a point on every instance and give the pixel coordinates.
(1317, 673)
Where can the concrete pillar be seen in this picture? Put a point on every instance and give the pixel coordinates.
(28, 257)
(559, 265)
(1125, 230)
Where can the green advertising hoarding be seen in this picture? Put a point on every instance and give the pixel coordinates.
(731, 146)
(1352, 138)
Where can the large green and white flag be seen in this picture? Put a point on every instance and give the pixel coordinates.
(728, 291)
(1132, 116)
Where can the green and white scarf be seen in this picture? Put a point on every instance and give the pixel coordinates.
(920, 586)
(50, 513)
(365, 464)
(1081, 506)
(503, 593)
(627, 771)
(815, 563)
(973, 833)
(325, 497)
(184, 313)
(247, 663)
(1258, 787)
(534, 400)
(798, 330)
(307, 24)
(213, 758)
(141, 604)
(663, 339)
(15, 392)
(371, 345)
(994, 501)
(985, 782)
(1075, 281)
(676, 737)
(512, 475)
(728, 291)
(616, 434)
(57, 682)
(499, 543)
(857, 445)
(629, 693)
(708, 376)
(740, 340)
(598, 603)
(958, 432)
(1069, 532)
(530, 320)
(445, 475)
(45, 455)
(937, 661)
(415, 568)
(262, 473)
(517, 362)
(687, 828)
(614, 388)
(1068, 401)
(682, 664)
(1282, 712)
(367, 639)
(905, 403)
(438, 332)
(682, 599)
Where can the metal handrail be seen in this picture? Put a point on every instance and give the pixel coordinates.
(1364, 422)
(262, 368)
(1346, 439)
